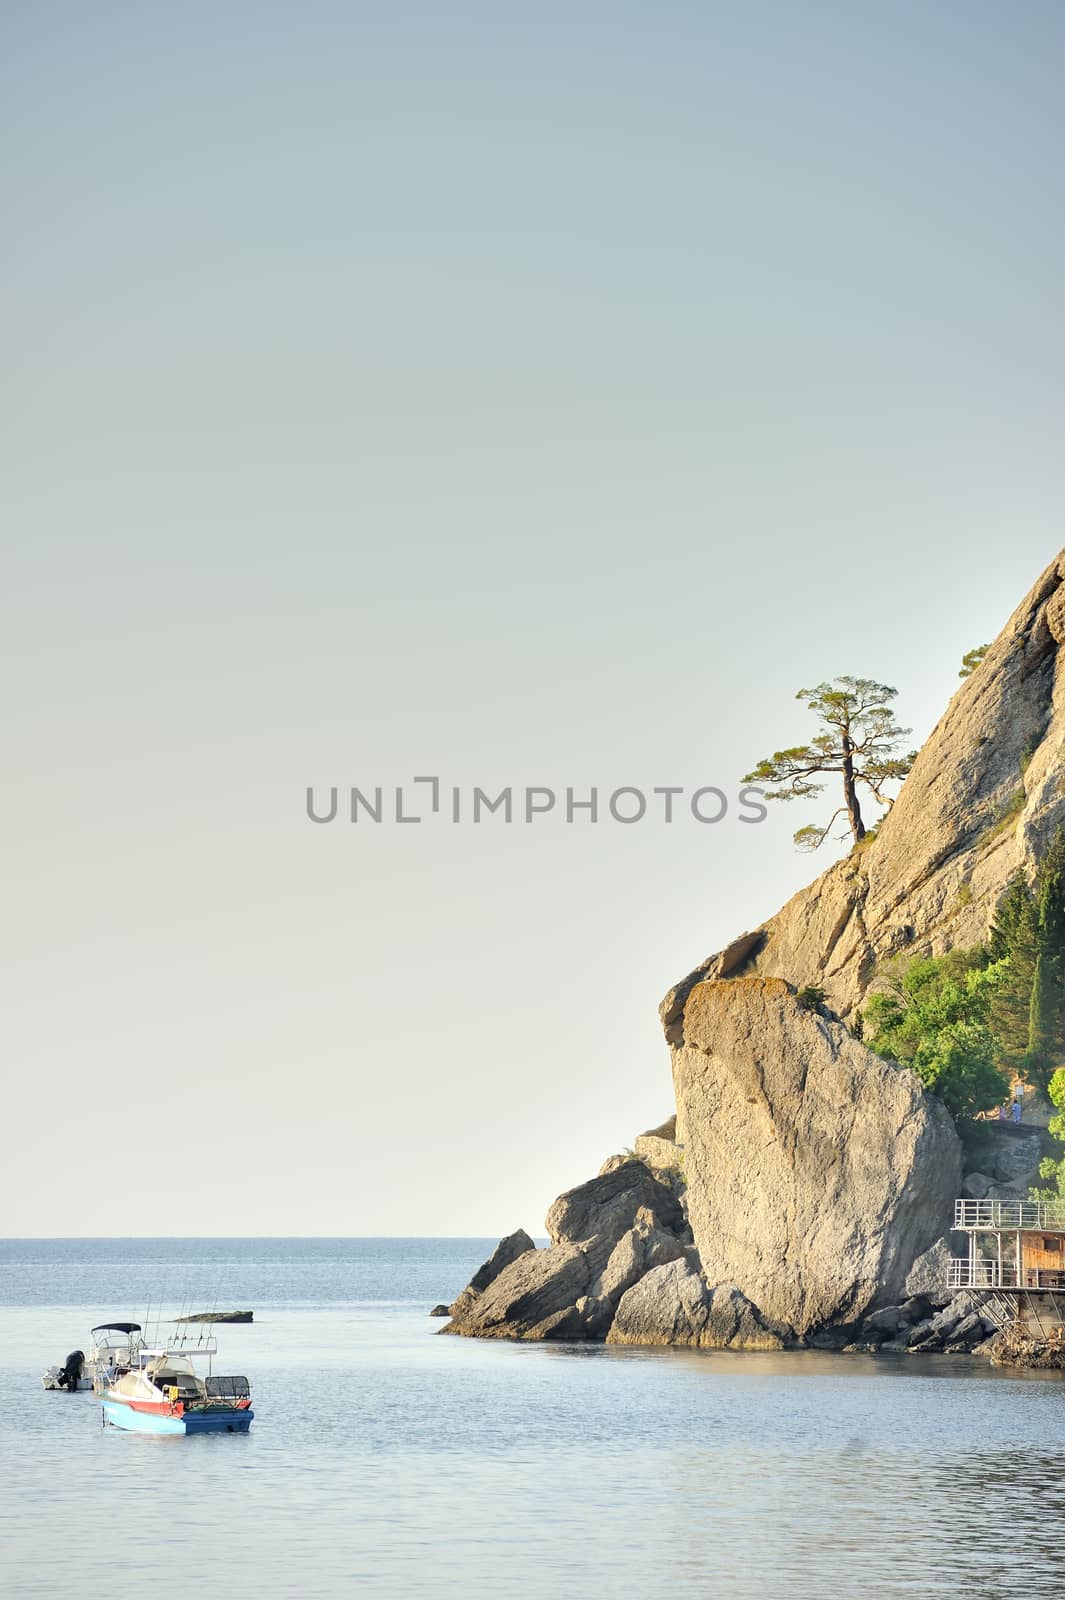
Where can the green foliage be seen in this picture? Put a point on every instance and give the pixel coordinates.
(811, 997)
(935, 1019)
(858, 741)
(1049, 1168)
(1014, 944)
(972, 659)
(968, 1021)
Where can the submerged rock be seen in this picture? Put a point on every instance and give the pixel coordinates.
(817, 1172)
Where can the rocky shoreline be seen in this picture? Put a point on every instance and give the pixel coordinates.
(622, 1268)
(803, 1193)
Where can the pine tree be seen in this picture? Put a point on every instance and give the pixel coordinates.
(858, 741)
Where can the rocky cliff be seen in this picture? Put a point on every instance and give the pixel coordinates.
(985, 793)
(803, 1189)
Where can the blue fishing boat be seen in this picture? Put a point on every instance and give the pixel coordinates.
(163, 1393)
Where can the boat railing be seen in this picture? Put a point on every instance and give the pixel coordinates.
(1025, 1216)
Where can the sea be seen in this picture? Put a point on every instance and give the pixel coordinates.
(387, 1461)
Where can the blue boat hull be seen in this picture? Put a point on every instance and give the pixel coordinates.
(222, 1421)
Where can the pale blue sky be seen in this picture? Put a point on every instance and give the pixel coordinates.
(524, 394)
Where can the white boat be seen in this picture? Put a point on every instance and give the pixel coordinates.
(113, 1346)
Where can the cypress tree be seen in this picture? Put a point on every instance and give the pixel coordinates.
(1015, 943)
(1046, 1035)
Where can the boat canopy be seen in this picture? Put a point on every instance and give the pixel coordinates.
(117, 1327)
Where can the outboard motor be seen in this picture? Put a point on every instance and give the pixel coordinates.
(71, 1370)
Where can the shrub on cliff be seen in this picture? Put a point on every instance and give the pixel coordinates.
(935, 1019)
(1051, 1168)
(968, 1021)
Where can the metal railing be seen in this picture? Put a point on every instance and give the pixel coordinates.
(1011, 1215)
(991, 1275)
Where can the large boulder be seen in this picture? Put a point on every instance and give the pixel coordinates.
(506, 1251)
(642, 1248)
(671, 1304)
(535, 1297)
(659, 1149)
(1018, 1160)
(983, 798)
(817, 1172)
(661, 1155)
(960, 1325)
(929, 1276)
(605, 1234)
(606, 1206)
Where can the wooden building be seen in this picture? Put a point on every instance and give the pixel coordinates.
(1015, 1259)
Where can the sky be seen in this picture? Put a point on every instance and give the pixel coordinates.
(517, 395)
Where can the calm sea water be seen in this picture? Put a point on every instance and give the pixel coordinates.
(386, 1461)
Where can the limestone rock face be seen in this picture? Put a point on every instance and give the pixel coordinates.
(661, 1155)
(817, 1172)
(983, 798)
(672, 1305)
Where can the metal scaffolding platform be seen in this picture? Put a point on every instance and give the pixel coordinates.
(1009, 1216)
